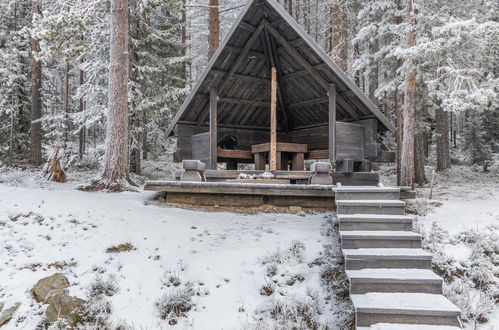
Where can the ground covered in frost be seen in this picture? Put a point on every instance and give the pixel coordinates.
(141, 265)
(156, 266)
(460, 226)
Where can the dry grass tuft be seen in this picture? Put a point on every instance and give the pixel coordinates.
(125, 247)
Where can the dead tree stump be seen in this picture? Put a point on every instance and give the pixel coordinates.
(53, 170)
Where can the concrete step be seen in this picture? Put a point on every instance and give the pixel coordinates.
(398, 326)
(379, 239)
(375, 222)
(356, 259)
(366, 193)
(394, 280)
(404, 308)
(379, 206)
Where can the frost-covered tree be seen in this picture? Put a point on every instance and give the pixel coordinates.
(15, 84)
(157, 78)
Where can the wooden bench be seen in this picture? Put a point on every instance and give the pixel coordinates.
(233, 157)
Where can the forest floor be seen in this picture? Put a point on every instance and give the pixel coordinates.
(234, 271)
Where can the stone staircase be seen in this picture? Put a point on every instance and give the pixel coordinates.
(391, 282)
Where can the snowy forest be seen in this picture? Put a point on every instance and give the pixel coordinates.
(434, 61)
(88, 90)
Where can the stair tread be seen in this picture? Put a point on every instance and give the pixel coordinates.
(404, 303)
(377, 274)
(370, 202)
(362, 189)
(388, 253)
(398, 326)
(373, 217)
(380, 234)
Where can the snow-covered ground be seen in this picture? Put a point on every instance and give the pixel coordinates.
(241, 270)
(460, 225)
(224, 258)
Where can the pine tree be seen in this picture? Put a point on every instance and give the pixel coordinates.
(36, 102)
(407, 158)
(15, 70)
(158, 85)
(214, 28)
(115, 175)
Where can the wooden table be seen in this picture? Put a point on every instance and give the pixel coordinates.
(285, 152)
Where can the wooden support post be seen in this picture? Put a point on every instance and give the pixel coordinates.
(213, 128)
(273, 122)
(332, 125)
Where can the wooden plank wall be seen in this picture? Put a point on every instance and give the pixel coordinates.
(201, 147)
(349, 144)
(246, 138)
(355, 140)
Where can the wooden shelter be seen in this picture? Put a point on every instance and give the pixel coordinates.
(274, 89)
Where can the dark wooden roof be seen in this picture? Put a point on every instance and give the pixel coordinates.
(263, 36)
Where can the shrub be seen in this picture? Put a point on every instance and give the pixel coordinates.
(176, 303)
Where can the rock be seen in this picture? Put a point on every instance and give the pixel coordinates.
(295, 209)
(63, 306)
(49, 286)
(8, 313)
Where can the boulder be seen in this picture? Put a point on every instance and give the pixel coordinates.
(52, 290)
(65, 307)
(7, 314)
(49, 286)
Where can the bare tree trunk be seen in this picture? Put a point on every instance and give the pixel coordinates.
(407, 161)
(83, 131)
(66, 103)
(145, 146)
(398, 100)
(183, 35)
(214, 25)
(36, 104)
(306, 16)
(11, 137)
(116, 156)
(339, 34)
(420, 141)
(399, 125)
(374, 73)
(442, 137)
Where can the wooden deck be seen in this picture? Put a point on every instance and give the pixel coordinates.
(297, 177)
(233, 194)
(244, 194)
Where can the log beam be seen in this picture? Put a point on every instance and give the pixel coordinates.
(301, 61)
(309, 102)
(242, 77)
(332, 125)
(274, 60)
(273, 122)
(242, 56)
(213, 128)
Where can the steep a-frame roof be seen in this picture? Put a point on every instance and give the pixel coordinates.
(264, 36)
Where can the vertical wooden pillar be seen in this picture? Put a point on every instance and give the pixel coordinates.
(273, 122)
(332, 125)
(213, 128)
